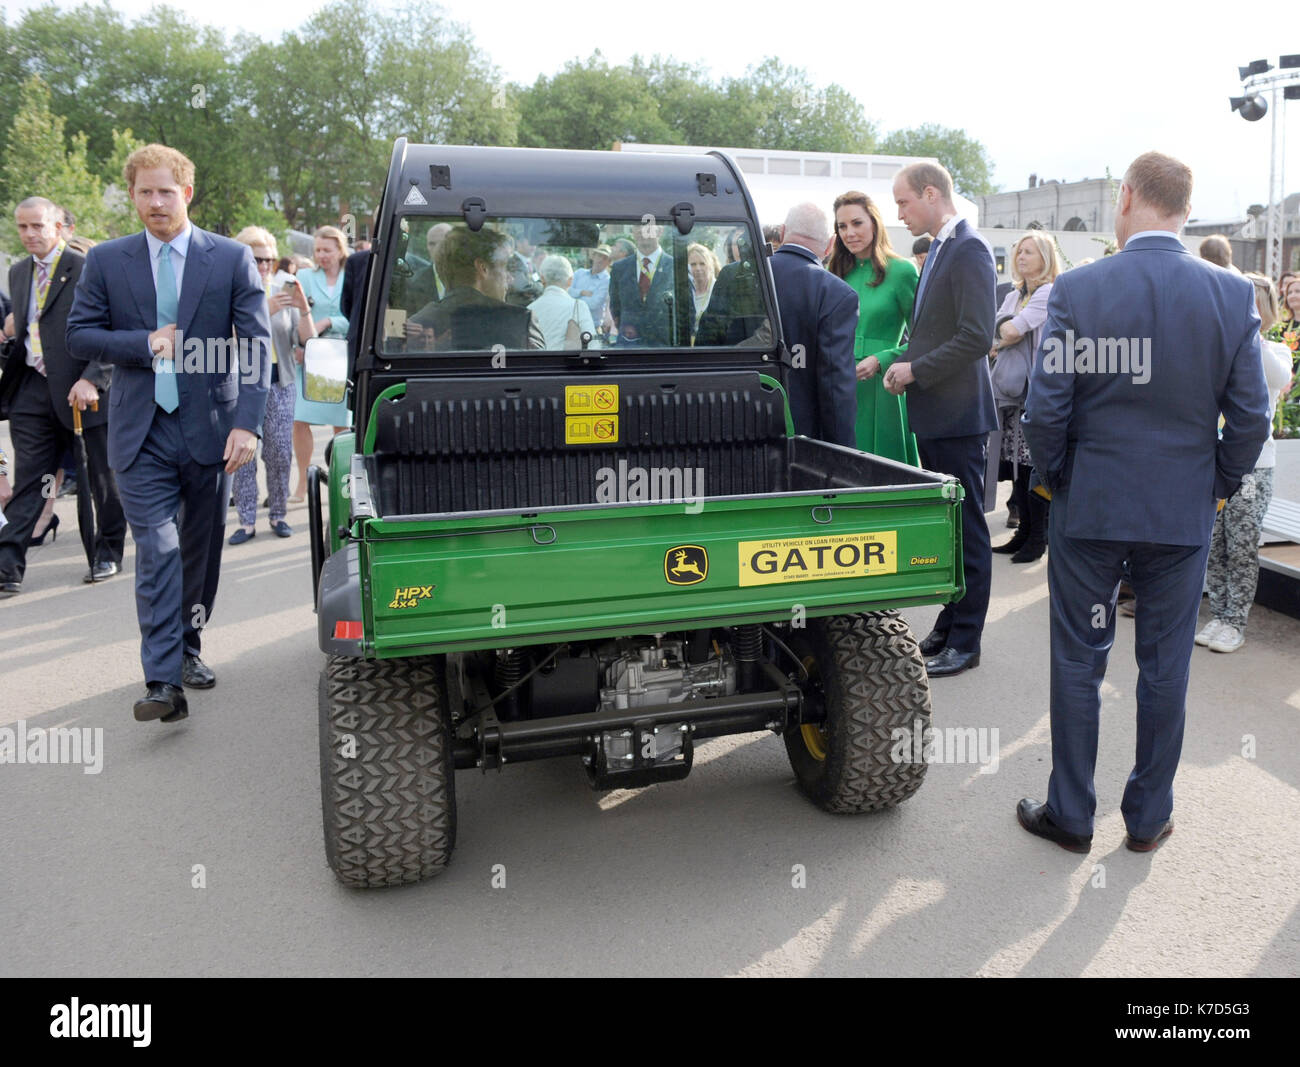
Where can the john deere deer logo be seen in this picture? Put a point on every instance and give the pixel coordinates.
(686, 565)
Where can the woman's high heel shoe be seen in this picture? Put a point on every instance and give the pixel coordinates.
(51, 531)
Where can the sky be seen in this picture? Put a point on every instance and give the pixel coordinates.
(1060, 89)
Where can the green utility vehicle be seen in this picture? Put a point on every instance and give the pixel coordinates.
(585, 529)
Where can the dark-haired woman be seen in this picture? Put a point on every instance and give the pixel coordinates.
(886, 284)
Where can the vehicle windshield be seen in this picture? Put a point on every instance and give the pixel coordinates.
(568, 284)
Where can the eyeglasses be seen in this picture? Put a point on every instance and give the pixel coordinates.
(264, 262)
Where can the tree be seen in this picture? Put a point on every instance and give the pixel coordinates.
(590, 105)
(167, 78)
(326, 103)
(688, 102)
(966, 159)
(778, 107)
(439, 88)
(39, 162)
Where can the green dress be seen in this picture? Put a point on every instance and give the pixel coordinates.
(883, 312)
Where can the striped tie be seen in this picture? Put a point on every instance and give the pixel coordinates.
(42, 287)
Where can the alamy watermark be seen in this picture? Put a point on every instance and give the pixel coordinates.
(76, 1019)
(1100, 355)
(250, 356)
(58, 744)
(663, 485)
(949, 744)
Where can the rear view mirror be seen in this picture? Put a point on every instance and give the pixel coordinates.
(325, 364)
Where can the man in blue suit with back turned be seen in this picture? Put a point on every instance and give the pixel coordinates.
(944, 370)
(1140, 355)
(187, 406)
(819, 317)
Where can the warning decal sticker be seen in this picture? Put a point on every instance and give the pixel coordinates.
(590, 399)
(591, 430)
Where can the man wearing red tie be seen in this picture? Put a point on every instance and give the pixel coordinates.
(40, 383)
(641, 291)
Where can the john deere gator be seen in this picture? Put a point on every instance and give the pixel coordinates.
(584, 529)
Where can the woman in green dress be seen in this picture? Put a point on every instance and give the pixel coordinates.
(885, 283)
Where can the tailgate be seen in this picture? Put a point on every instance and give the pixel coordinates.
(459, 582)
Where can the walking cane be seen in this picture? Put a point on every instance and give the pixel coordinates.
(85, 503)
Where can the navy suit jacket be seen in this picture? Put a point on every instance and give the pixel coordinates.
(1130, 445)
(820, 312)
(951, 334)
(221, 385)
(648, 322)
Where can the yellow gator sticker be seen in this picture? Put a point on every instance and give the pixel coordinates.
(807, 559)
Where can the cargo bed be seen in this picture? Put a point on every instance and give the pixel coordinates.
(527, 542)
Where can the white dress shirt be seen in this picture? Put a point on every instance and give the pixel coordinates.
(180, 252)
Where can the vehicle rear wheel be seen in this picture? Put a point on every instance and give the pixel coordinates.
(388, 792)
(867, 672)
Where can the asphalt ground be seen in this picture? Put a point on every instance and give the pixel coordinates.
(197, 848)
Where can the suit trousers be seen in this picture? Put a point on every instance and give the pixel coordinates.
(1083, 578)
(40, 440)
(965, 458)
(177, 511)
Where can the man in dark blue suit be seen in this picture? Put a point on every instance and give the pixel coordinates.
(1140, 355)
(641, 291)
(944, 370)
(187, 405)
(819, 317)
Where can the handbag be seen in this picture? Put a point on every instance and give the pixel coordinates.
(573, 331)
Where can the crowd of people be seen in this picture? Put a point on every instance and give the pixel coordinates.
(915, 358)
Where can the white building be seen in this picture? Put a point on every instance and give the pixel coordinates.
(778, 180)
(1073, 207)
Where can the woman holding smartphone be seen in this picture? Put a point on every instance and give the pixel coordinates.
(324, 289)
(291, 326)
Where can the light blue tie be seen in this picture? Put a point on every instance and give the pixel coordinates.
(927, 270)
(165, 393)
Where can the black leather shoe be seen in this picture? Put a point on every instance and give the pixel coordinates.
(1033, 817)
(10, 586)
(162, 701)
(950, 661)
(101, 571)
(1149, 844)
(1030, 552)
(1018, 541)
(934, 643)
(196, 674)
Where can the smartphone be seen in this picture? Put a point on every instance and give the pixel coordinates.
(288, 287)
